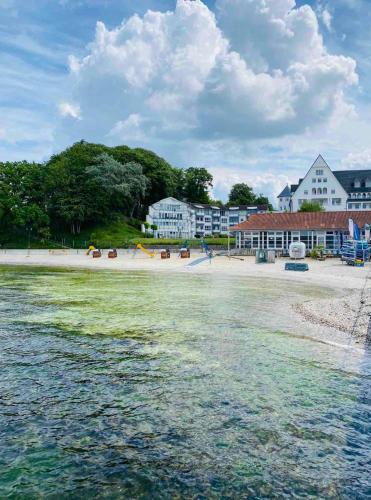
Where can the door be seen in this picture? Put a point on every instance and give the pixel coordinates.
(321, 240)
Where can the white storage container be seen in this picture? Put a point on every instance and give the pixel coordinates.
(297, 250)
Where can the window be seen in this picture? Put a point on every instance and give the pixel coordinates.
(319, 172)
(332, 191)
(319, 191)
(314, 191)
(337, 201)
(356, 205)
(313, 180)
(306, 191)
(319, 180)
(324, 190)
(325, 179)
(357, 183)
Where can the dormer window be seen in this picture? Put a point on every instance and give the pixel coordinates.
(357, 183)
(363, 184)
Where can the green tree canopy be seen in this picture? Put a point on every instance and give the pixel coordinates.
(311, 206)
(241, 194)
(198, 182)
(23, 202)
(126, 183)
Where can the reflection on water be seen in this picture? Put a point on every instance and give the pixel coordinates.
(142, 385)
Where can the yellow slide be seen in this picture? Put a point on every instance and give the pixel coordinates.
(141, 247)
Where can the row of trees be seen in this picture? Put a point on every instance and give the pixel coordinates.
(87, 183)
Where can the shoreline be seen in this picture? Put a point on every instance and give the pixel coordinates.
(340, 319)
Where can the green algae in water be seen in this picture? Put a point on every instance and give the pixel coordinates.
(145, 385)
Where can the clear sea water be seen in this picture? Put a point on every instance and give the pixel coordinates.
(144, 385)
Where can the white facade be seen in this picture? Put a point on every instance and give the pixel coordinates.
(177, 219)
(284, 200)
(320, 185)
(173, 218)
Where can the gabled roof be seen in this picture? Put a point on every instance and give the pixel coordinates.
(303, 221)
(347, 178)
(320, 162)
(286, 193)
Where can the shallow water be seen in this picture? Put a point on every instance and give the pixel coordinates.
(144, 385)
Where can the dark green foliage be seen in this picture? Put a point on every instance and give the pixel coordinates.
(23, 197)
(311, 206)
(197, 183)
(88, 186)
(242, 194)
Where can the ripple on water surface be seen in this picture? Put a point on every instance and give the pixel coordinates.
(146, 385)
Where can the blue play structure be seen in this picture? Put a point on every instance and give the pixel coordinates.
(206, 250)
(355, 253)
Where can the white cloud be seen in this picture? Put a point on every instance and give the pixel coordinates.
(327, 19)
(258, 69)
(269, 183)
(325, 15)
(66, 109)
(359, 160)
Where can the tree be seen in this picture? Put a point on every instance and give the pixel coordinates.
(23, 202)
(125, 183)
(311, 206)
(241, 194)
(75, 198)
(164, 180)
(198, 182)
(263, 200)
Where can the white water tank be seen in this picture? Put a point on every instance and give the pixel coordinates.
(297, 250)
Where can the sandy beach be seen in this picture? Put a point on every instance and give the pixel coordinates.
(342, 318)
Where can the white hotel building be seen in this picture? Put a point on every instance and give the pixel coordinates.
(336, 191)
(178, 219)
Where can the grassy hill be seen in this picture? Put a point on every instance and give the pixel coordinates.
(121, 233)
(118, 233)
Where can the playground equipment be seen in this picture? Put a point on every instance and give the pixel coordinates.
(90, 249)
(355, 253)
(144, 250)
(297, 250)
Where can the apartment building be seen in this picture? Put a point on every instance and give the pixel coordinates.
(178, 219)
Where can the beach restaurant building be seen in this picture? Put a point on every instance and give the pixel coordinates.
(277, 231)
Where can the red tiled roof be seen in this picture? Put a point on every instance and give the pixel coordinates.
(303, 220)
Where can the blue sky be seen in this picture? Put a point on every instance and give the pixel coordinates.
(251, 89)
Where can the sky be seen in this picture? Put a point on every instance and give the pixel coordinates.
(253, 90)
